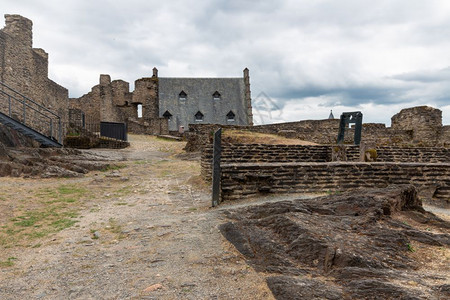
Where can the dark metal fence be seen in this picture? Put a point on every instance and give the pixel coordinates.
(114, 130)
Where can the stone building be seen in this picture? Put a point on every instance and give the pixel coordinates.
(25, 69)
(169, 104)
(185, 101)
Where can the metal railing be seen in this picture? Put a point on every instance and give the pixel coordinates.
(30, 113)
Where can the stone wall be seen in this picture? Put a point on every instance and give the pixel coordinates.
(445, 136)
(261, 153)
(250, 179)
(417, 126)
(111, 101)
(106, 102)
(25, 69)
(316, 131)
(425, 123)
(413, 154)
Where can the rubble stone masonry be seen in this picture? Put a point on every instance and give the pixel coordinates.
(249, 179)
(25, 68)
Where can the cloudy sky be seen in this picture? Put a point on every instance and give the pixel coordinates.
(305, 57)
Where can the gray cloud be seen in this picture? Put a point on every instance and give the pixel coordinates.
(348, 53)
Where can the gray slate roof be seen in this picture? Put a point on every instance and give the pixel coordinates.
(199, 98)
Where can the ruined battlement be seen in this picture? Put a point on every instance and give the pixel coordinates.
(25, 69)
(19, 28)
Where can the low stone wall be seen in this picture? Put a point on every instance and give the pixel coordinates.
(261, 153)
(257, 153)
(316, 131)
(250, 179)
(157, 126)
(413, 154)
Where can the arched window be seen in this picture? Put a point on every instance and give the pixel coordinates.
(216, 95)
(167, 115)
(231, 116)
(199, 116)
(182, 96)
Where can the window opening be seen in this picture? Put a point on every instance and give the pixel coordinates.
(182, 96)
(216, 95)
(199, 116)
(231, 116)
(139, 110)
(167, 115)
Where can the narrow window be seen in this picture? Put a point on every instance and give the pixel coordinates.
(216, 95)
(231, 116)
(167, 115)
(139, 110)
(199, 116)
(182, 96)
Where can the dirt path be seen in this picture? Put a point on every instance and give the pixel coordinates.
(144, 230)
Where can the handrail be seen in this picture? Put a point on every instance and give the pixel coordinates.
(25, 97)
(12, 94)
(31, 107)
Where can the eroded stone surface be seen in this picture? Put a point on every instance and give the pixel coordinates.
(349, 246)
(48, 162)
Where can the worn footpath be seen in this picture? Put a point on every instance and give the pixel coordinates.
(141, 229)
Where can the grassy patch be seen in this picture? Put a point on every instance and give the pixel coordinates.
(248, 137)
(47, 211)
(8, 263)
(115, 228)
(123, 191)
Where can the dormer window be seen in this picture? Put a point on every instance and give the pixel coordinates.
(182, 96)
(167, 115)
(199, 116)
(231, 116)
(216, 95)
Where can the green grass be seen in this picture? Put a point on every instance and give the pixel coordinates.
(9, 262)
(410, 248)
(50, 210)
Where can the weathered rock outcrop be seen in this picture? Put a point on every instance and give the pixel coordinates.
(48, 162)
(349, 246)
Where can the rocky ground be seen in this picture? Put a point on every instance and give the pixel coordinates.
(141, 227)
(144, 230)
(378, 244)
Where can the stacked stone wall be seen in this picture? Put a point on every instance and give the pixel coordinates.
(445, 136)
(111, 101)
(146, 93)
(158, 126)
(425, 123)
(316, 131)
(25, 69)
(413, 154)
(243, 180)
(262, 153)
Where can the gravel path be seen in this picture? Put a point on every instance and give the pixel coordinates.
(149, 233)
